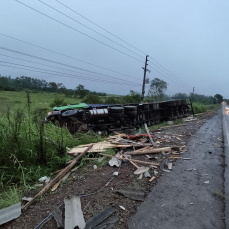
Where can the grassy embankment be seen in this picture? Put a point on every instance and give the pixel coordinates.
(29, 147)
(202, 108)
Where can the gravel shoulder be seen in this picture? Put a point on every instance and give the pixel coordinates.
(182, 199)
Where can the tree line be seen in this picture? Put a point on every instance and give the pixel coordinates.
(156, 92)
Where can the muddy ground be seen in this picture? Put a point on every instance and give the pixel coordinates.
(87, 180)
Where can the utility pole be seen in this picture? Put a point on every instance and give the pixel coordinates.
(144, 78)
(193, 92)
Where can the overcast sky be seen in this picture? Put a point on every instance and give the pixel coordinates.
(188, 38)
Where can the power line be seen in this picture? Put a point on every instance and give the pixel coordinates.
(79, 32)
(60, 68)
(169, 77)
(63, 74)
(90, 28)
(55, 62)
(167, 70)
(181, 82)
(66, 55)
(121, 40)
(99, 26)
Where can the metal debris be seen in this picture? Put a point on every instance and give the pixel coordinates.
(133, 193)
(147, 174)
(140, 177)
(58, 218)
(99, 218)
(141, 170)
(73, 213)
(115, 161)
(10, 213)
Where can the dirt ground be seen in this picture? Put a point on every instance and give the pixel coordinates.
(87, 180)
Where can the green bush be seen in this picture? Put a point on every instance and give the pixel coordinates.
(58, 101)
(92, 99)
(202, 108)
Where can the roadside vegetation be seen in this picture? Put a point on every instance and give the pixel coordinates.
(31, 148)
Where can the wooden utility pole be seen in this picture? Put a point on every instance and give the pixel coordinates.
(144, 78)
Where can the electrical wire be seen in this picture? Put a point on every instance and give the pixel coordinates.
(89, 28)
(64, 75)
(49, 50)
(59, 68)
(99, 26)
(181, 82)
(55, 62)
(168, 71)
(80, 32)
(124, 42)
(169, 78)
(46, 218)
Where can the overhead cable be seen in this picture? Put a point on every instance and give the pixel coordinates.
(68, 26)
(49, 50)
(63, 68)
(100, 26)
(90, 28)
(55, 62)
(64, 75)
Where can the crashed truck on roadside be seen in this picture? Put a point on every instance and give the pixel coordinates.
(110, 117)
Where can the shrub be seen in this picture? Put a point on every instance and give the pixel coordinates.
(58, 101)
(92, 99)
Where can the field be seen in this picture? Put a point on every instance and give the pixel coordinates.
(39, 100)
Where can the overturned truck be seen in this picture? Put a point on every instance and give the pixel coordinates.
(110, 117)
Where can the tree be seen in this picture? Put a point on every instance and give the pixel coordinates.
(81, 91)
(218, 98)
(157, 88)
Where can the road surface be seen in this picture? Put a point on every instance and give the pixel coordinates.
(191, 196)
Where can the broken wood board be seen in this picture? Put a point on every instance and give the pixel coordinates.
(152, 178)
(57, 178)
(150, 138)
(97, 147)
(156, 150)
(73, 213)
(121, 158)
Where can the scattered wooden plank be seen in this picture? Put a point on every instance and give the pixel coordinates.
(156, 150)
(173, 157)
(120, 158)
(150, 138)
(130, 161)
(56, 179)
(152, 178)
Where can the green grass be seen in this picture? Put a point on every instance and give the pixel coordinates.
(9, 197)
(202, 108)
(41, 100)
(29, 147)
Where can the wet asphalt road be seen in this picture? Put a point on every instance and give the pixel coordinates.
(181, 199)
(226, 150)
